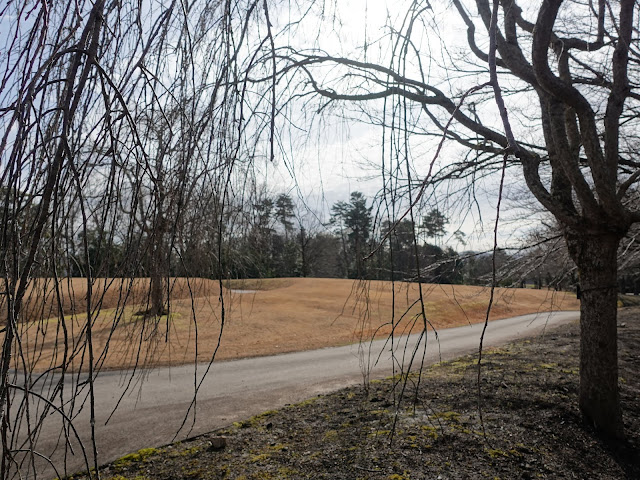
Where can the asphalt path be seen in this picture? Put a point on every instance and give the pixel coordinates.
(152, 411)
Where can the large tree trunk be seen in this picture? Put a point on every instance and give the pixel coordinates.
(157, 308)
(158, 270)
(596, 259)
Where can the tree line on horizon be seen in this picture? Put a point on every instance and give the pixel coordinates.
(274, 237)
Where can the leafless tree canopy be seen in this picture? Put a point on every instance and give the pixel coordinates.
(547, 88)
(121, 122)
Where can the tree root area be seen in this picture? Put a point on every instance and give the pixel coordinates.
(531, 427)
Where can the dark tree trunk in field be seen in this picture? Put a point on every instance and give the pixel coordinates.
(158, 269)
(596, 259)
(157, 307)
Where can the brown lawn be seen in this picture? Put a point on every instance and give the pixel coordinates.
(268, 317)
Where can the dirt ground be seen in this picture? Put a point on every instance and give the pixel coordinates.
(257, 317)
(530, 427)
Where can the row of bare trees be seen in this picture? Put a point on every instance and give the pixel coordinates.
(272, 236)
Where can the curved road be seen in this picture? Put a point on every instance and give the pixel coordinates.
(153, 411)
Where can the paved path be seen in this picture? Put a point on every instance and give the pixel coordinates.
(151, 414)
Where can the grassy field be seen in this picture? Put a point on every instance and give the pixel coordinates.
(258, 317)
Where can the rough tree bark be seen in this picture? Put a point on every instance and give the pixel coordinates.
(158, 283)
(596, 259)
(158, 265)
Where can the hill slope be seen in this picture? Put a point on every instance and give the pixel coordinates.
(263, 317)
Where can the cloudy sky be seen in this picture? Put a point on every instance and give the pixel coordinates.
(327, 159)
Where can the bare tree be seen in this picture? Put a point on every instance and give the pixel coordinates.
(574, 65)
(114, 117)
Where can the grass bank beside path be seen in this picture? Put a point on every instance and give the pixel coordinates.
(531, 420)
(262, 317)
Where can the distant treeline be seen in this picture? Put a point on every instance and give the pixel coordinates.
(270, 237)
(273, 236)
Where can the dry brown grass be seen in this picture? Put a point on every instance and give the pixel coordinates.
(280, 315)
(41, 299)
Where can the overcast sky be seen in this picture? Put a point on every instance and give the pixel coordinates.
(341, 155)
